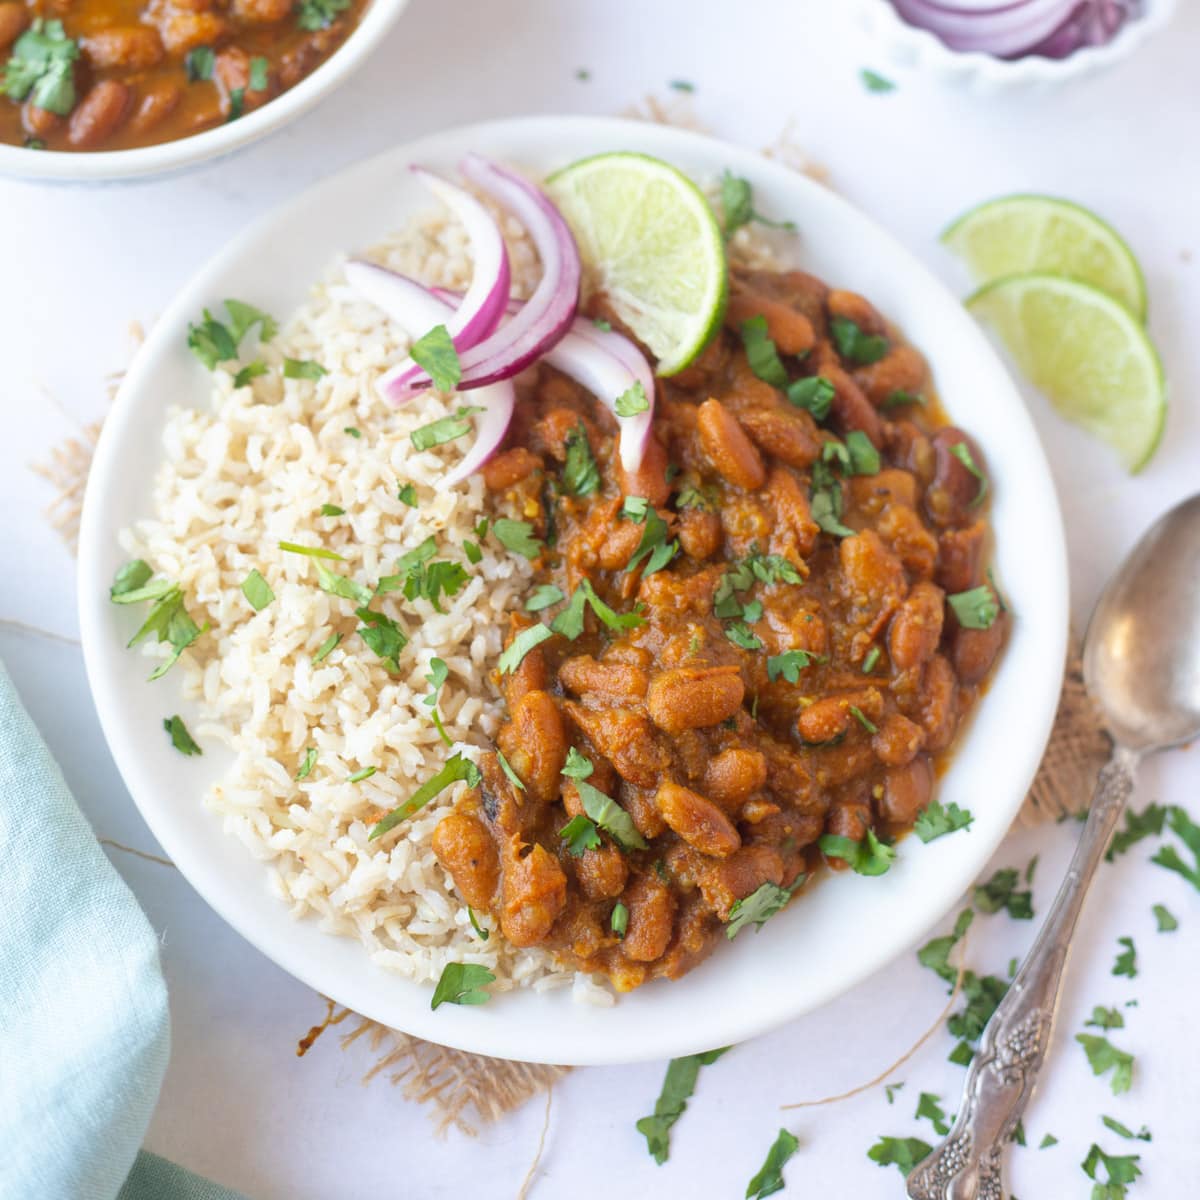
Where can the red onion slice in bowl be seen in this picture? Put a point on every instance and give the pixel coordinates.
(414, 308)
(1003, 30)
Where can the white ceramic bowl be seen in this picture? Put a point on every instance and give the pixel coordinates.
(918, 49)
(848, 926)
(94, 166)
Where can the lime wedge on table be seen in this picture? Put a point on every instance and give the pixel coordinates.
(1017, 234)
(1087, 353)
(650, 237)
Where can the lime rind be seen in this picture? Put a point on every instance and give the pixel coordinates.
(1025, 233)
(649, 234)
(1087, 352)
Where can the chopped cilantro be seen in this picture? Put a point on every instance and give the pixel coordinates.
(455, 769)
(1126, 963)
(341, 585)
(331, 510)
(874, 82)
(444, 429)
(677, 1089)
(1048, 1141)
(420, 577)
(737, 203)
(864, 458)
(168, 619)
(790, 664)
(359, 776)
(436, 353)
(352, 432)
(619, 921)
(1121, 1130)
(521, 645)
(702, 498)
(1119, 1170)
(517, 536)
(936, 820)
(862, 718)
(306, 766)
(41, 68)
(1138, 825)
(180, 738)
(929, 1106)
(326, 647)
(899, 399)
(580, 475)
(936, 954)
(610, 816)
(408, 495)
(569, 622)
(854, 346)
(890, 1091)
(769, 1179)
(237, 103)
(461, 983)
(302, 368)
(1166, 921)
(975, 609)
(319, 14)
(982, 993)
(1018, 1134)
(755, 909)
(1103, 1056)
(1189, 833)
(257, 591)
(131, 577)
(962, 452)
(310, 551)
(580, 834)
(761, 353)
(1000, 893)
(814, 393)
(250, 371)
(544, 596)
(653, 547)
(577, 766)
(632, 401)
(1105, 1018)
(681, 85)
(740, 634)
(904, 1153)
(868, 857)
(472, 551)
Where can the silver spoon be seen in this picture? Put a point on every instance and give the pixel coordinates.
(1141, 663)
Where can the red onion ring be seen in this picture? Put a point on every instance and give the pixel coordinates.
(414, 307)
(482, 305)
(1003, 30)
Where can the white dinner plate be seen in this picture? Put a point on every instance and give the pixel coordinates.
(848, 926)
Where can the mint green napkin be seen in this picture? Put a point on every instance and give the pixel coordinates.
(83, 1007)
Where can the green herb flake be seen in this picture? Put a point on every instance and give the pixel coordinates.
(603, 325)
(1165, 920)
(180, 738)
(517, 536)
(319, 14)
(259, 81)
(1048, 1141)
(436, 353)
(619, 921)
(901, 399)
(462, 983)
(864, 458)
(681, 85)
(580, 475)
(1000, 893)
(929, 1107)
(407, 495)
(1103, 1056)
(1105, 1018)
(854, 345)
(1119, 1170)
(1122, 1130)
(132, 577)
(904, 1153)
(168, 619)
(936, 954)
(310, 551)
(331, 510)
(761, 352)
(250, 371)
(455, 769)
(309, 761)
(350, 431)
(444, 429)
(544, 596)
(975, 609)
(199, 63)
(737, 204)
(653, 548)
(473, 552)
(359, 776)
(237, 104)
(936, 820)
(382, 635)
(569, 622)
(1138, 825)
(577, 766)
(741, 635)
(790, 664)
(632, 401)
(890, 1091)
(862, 718)
(814, 393)
(610, 816)
(326, 647)
(677, 1090)
(257, 591)
(769, 1179)
(509, 773)
(243, 317)
(41, 68)
(982, 993)
(1189, 833)
(210, 341)
(521, 645)
(874, 82)
(755, 909)
(871, 660)
(961, 1055)
(580, 834)
(303, 368)
(481, 933)
(1126, 963)
(868, 857)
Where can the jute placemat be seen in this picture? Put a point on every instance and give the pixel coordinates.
(464, 1090)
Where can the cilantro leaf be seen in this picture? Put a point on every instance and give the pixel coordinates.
(854, 345)
(544, 596)
(340, 585)
(382, 635)
(982, 993)
(259, 81)
(899, 398)
(864, 458)
(1138, 825)
(210, 341)
(936, 954)
(436, 353)
(977, 608)
(462, 983)
(1166, 921)
(580, 475)
(517, 536)
(790, 664)
(740, 634)
(1126, 963)
(936, 820)
(874, 82)
(509, 773)
(755, 909)
(331, 510)
(577, 766)
(1121, 1130)
(870, 660)
(761, 353)
(199, 63)
(131, 577)
(1105, 1018)
(481, 933)
(929, 1106)
(257, 591)
(310, 551)
(904, 1153)
(610, 816)
(737, 203)
(1048, 1141)
(632, 401)
(862, 718)
(814, 393)
(41, 68)
(444, 429)
(890, 1091)
(455, 769)
(407, 495)
(619, 921)
(310, 761)
(1189, 833)
(1000, 892)
(677, 1090)
(868, 857)
(326, 647)
(769, 1179)
(180, 738)
(319, 14)
(1119, 1170)
(1103, 1056)
(653, 547)
(436, 677)
(580, 834)
(303, 368)
(243, 317)
(359, 776)
(521, 645)
(569, 622)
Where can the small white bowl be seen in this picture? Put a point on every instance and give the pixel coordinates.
(907, 46)
(90, 167)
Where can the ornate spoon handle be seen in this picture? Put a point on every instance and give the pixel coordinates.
(1002, 1075)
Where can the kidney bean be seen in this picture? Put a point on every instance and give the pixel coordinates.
(535, 744)
(906, 790)
(534, 894)
(960, 555)
(733, 775)
(906, 536)
(465, 848)
(975, 650)
(850, 408)
(583, 675)
(650, 479)
(159, 99)
(263, 12)
(902, 369)
(790, 434)
(727, 447)
(625, 738)
(602, 873)
(99, 114)
(651, 919)
(824, 720)
(131, 47)
(509, 467)
(791, 331)
(731, 879)
(697, 820)
(699, 533)
(911, 448)
(182, 29)
(850, 306)
(792, 508)
(951, 498)
(917, 626)
(39, 122)
(694, 697)
(898, 740)
(939, 704)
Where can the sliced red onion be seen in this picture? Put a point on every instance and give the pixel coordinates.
(548, 313)
(416, 308)
(608, 364)
(1003, 29)
(482, 306)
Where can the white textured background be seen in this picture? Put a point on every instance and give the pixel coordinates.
(79, 265)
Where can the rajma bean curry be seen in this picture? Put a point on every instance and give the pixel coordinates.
(808, 560)
(117, 74)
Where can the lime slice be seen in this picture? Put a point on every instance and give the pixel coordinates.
(1087, 353)
(1017, 234)
(649, 236)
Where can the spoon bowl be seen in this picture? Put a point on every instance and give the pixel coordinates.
(1141, 658)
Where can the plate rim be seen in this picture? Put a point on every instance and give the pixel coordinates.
(483, 1029)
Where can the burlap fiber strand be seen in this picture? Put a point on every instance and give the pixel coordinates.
(458, 1087)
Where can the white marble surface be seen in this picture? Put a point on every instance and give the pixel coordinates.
(238, 1105)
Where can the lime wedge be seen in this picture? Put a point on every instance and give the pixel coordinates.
(1018, 234)
(1087, 353)
(649, 237)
